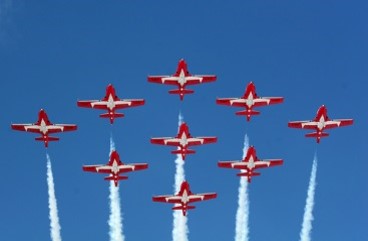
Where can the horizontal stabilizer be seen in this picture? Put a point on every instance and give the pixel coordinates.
(47, 138)
(316, 134)
(180, 92)
(111, 178)
(246, 174)
(188, 151)
(181, 207)
(247, 112)
(114, 115)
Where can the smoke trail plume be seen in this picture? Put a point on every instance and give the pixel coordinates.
(54, 218)
(180, 227)
(242, 214)
(305, 233)
(115, 218)
(112, 144)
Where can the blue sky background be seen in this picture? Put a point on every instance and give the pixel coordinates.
(53, 53)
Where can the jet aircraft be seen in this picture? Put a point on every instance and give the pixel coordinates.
(183, 140)
(320, 123)
(181, 79)
(44, 127)
(115, 167)
(250, 163)
(184, 198)
(249, 100)
(111, 103)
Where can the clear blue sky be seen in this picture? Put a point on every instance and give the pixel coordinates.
(311, 52)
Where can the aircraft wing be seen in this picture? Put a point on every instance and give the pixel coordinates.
(178, 199)
(61, 128)
(338, 123)
(189, 80)
(268, 163)
(244, 165)
(167, 199)
(118, 104)
(163, 79)
(201, 197)
(167, 141)
(241, 102)
(132, 167)
(125, 103)
(97, 168)
(201, 140)
(303, 124)
(122, 168)
(26, 127)
(199, 79)
(90, 104)
(262, 101)
(232, 164)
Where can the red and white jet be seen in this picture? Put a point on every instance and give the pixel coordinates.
(250, 163)
(183, 140)
(184, 198)
(181, 78)
(115, 167)
(111, 103)
(249, 100)
(320, 123)
(44, 127)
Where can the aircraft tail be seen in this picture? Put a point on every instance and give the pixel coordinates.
(245, 174)
(111, 178)
(183, 153)
(248, 113)
(115, 179)
(111, 116)
(188, 151)
(178, 91)
(49, 138)
(317, 135)
(181, 93)
(46, 139)
(248, 175)
(183, 209)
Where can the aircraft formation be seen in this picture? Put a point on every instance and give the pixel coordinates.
(249, 166)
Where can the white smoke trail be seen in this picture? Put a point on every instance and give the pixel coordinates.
(115, 218)
(180, 227)
(54, 218)
(305, 233)
(242, 214)
(112, 144)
